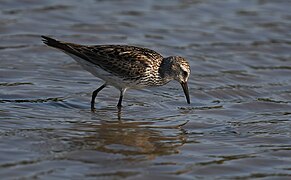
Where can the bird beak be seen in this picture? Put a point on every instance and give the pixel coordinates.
(186, 91)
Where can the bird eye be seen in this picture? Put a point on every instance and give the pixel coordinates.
(185, 73)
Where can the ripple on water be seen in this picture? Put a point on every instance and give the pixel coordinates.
(237, 126)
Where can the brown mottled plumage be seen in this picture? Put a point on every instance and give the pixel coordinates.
(125, 66)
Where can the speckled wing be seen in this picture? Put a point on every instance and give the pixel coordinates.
(127, 62)
(123, 61)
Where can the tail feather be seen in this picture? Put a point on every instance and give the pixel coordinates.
(69, 48)
(54, 43)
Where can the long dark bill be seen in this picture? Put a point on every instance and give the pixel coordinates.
(186, 91)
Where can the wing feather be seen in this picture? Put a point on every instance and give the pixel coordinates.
(121, 60)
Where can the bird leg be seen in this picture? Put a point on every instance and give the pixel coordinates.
(94, 94)
(122, 91)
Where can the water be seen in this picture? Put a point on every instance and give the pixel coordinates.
(237, 127)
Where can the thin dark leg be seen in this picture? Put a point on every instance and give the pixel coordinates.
(122, 91)
(94, 94)
(120, 101)
(119, 114)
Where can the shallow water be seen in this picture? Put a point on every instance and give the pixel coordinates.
(237, 127)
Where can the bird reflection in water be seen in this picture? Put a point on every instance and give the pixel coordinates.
(129, 137)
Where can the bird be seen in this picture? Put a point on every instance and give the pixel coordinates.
(125, 67)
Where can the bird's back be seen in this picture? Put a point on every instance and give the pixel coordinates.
(129, 63)
(122, 60)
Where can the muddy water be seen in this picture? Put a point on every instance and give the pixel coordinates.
(237, 127)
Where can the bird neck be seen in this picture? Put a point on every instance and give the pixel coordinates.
(165, 69)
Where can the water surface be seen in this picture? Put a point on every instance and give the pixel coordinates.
(237, 127)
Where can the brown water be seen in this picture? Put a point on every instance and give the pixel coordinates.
(238, 123)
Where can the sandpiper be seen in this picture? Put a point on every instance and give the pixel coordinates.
(126, 67)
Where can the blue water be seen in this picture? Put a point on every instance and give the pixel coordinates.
(237, 127)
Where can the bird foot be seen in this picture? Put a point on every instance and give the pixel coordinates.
(93, 110)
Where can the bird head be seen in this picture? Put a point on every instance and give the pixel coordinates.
(180, 71)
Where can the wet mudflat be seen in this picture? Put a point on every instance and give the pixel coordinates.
(238, 125)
